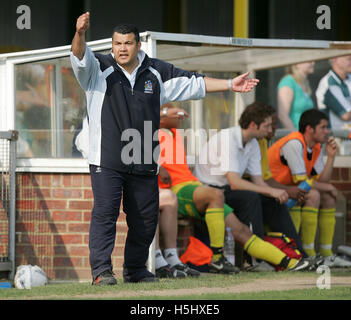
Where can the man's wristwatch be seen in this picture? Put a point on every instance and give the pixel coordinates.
(164, 112)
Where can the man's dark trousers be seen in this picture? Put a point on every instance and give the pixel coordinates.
(141, 205)
(258, 210)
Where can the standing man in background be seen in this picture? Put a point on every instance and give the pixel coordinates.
(125, 90)
(334, 93)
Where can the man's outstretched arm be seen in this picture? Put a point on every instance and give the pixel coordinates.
(78, 42)
(239, 84)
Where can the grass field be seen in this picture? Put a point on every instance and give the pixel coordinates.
(244, 286)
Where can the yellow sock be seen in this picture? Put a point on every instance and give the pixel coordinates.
(260, 249)
(295, 214)
(292, 263)
(216, 228)
(309, 218)
(326, 223)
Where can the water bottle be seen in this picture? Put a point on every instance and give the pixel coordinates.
(229, 245)
(304, 185)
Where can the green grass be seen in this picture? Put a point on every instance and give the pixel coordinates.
(72, 291)
(337, 293)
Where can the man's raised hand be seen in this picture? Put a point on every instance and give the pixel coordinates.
(83, 23)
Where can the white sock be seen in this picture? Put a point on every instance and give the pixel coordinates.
(171, 256)
(159, 259)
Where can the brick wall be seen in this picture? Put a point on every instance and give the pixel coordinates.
(52, 223)
(341, 179)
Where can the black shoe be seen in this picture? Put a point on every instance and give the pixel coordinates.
(187, 270)
(222, 265)
(303, 264)
(141, 276)
(315, 262)
(105, 278)
(168, 272)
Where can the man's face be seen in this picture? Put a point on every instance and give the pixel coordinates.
(320, 132)
(344, 63)
(264, 129)
(274, 126)
(125, 49)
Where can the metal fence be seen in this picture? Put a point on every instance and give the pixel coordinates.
(7, 200)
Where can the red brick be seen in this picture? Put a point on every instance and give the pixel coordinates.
(56, 180)
(61, 274)
(43, 193)
(66, 262)
(86, 239)
(80, 251)
(60, 250)
(345, 174)
(117, 261)
(77, 180)
(35, 239)
(45, 251)
(35, 193)
(122, 228)
(87, 181)
(335, 174)
(88, 194)
(68, 239)
(67, 180)
(52, 204)
(122, 217)
(78, 227)
(36, 179)
(87, 216)
(66, 216)
(121, 238)
(52, 227)
(46, 180)
(118, 251)
(27, 250)
(81, 205)
(26, 204)
(25, 227)
(26, 179)
(67, 193)
(79, 273)
(343, 186)
(32, 215)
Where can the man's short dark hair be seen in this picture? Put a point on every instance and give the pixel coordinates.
(126, 28)
(311, 118)
(256, 112)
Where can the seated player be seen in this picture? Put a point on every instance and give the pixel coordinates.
(168, 265)
(298, 157)
(207, 203)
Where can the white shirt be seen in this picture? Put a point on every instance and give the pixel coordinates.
(223, 153)
(292, 151)
(132, 76)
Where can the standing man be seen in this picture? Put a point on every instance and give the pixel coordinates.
(298, 157)
(125, 90)
(334, 93)
(229, 154)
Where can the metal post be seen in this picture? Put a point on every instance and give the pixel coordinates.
(150, 48)
(12, 228)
